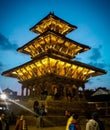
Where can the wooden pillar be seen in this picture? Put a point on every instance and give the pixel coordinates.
(76, 92)
(31, 90)
(26, 91)
(83, 91)
(22, 91)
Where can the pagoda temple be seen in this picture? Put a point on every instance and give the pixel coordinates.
(52, 65)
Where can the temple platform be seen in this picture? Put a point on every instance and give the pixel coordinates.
(55, 110)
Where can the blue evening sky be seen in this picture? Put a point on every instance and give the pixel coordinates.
(92, 17)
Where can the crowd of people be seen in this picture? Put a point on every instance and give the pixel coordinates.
(20, 124)
(20, 121)
(4, 124)
(40, 111)
(92, 120)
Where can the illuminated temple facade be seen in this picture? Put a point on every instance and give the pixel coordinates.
(52, 63)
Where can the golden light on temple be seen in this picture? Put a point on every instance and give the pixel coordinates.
(52, 56)
(54, 23)
(49, 65)
(57, 43)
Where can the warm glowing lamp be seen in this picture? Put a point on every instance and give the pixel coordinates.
(3, 96)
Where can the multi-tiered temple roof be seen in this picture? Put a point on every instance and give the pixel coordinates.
(52, 22)
(55, 43)
(52, 53)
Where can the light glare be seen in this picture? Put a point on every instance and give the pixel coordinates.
(3, 96)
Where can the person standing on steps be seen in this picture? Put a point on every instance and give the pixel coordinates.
(21, 123)
(4, 125)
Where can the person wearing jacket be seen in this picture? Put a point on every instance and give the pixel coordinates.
(73, 120)
(3, 122)
(91, 123)
(21, 123)
(100, 123)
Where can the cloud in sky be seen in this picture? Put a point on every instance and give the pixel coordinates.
(96, 54)
(5, 44)
(96, 59)
(93, 57)
(6, 48)
(92, 21)
(9, 56)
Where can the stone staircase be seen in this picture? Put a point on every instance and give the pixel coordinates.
(56, 110)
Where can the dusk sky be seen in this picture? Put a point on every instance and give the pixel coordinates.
(92, 17)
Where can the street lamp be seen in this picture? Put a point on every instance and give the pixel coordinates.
(3, 96)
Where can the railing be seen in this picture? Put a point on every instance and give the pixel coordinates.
(103, 108)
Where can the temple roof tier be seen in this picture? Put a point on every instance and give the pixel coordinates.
(52, 64)
(55, 42)
(54, 23)
(52, 56)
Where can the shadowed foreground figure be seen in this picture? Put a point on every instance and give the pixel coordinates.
(91, 123)
(72, 122)
(21, 123)
(100, 123)
(3, 122)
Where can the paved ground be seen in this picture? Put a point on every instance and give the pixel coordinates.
(51, 128)
(46, 128)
